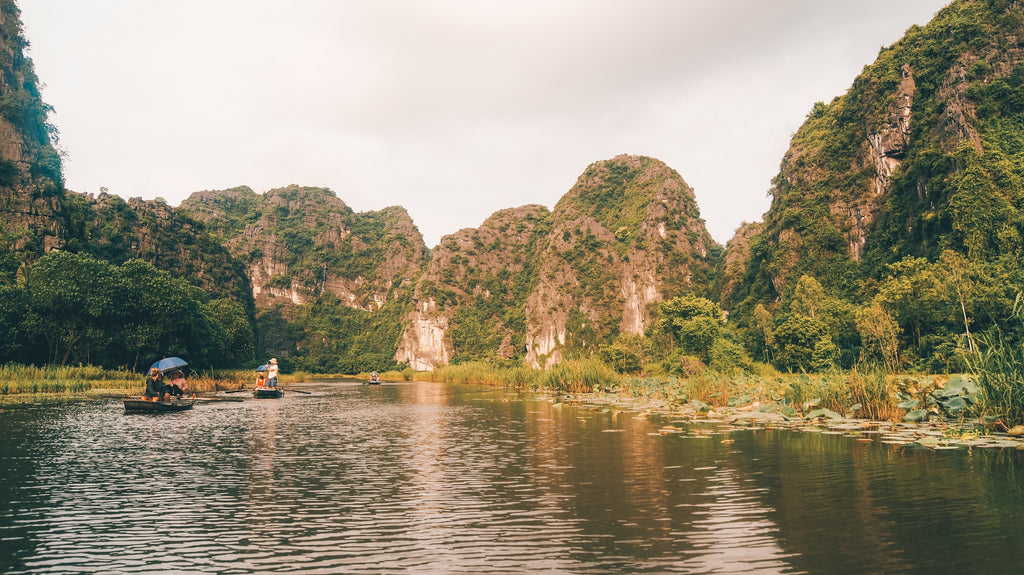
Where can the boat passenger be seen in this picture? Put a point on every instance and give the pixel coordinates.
(272, 373)
(156, 389)
(176, 386)
(374, 377)
(261, 380)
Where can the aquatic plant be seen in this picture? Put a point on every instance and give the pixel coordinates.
(998, 367)
(15, 379)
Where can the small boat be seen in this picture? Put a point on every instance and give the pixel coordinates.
(267, 393)
(140, 403)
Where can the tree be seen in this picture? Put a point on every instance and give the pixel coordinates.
(627, 353)
(694, 322)
(234, 338)
(764, 324)
(796, 339)
(880, 333)
(912, 293)
(808, 297)
(957, 274)
(70, 300)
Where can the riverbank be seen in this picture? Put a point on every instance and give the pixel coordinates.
(700, 420)
(946, 400)
(930, 405)
(20, 380)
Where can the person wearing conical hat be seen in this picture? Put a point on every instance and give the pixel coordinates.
(272, 373)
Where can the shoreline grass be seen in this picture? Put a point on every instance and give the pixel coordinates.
(867, 395)
(871, 394)
(23, 379)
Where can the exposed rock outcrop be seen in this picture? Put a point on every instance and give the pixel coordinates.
(31, 182)
(474, 283)
(624, 238)
(299, 243)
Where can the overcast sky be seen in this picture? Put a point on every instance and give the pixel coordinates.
(453, 109)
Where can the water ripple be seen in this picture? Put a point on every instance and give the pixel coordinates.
(406, 478)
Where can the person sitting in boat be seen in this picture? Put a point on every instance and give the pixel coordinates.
(156, 389)
(374, 377)
(176, 385)
(261, 380)
(272, 373)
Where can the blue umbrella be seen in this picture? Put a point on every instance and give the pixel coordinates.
(169, 363)
(262, 368)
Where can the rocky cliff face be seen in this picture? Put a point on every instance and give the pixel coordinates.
(31, 184)
(469, 301)
(299, 243)
(882, 172)
(116, 230)
(735, 263)
(534, 286)
(625, 237)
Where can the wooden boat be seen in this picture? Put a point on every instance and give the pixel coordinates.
(140, 403)
(267, 393)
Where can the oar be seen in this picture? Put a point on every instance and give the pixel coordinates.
(298, 391)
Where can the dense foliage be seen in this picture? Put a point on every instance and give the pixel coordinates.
(326, 336)
(940, 257)
(75, 309)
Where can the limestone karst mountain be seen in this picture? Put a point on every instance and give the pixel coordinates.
(920, 164)
(537, 286)
(299, 243)
(31, 182)
(922, 154)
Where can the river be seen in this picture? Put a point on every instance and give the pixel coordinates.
(434, 478)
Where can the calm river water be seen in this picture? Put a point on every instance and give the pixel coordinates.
(432, 478)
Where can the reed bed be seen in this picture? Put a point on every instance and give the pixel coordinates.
(16, 379)
(999, 370)
(27, 379)
(869, 394)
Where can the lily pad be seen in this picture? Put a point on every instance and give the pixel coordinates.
(823, 412)
(916, 415)
(909, 404)
(955, 404)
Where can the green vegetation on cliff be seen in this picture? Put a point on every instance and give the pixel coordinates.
(898, 207)
(75, 309)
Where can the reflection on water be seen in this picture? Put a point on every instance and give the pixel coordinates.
(455, 479)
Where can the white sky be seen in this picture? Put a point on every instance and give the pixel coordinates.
(453, 109)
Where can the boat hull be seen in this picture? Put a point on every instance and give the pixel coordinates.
(139, 403)
(267, 393)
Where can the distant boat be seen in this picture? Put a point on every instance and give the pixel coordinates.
(267, 393)
(140, 403)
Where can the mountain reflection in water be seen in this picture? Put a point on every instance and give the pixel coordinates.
(429, 477)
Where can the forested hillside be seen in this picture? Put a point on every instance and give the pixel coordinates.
(899, 204)
(100, 280)
(894, 238)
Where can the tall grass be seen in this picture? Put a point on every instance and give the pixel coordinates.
(17, 379)
(573, 376)
(999, 370)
